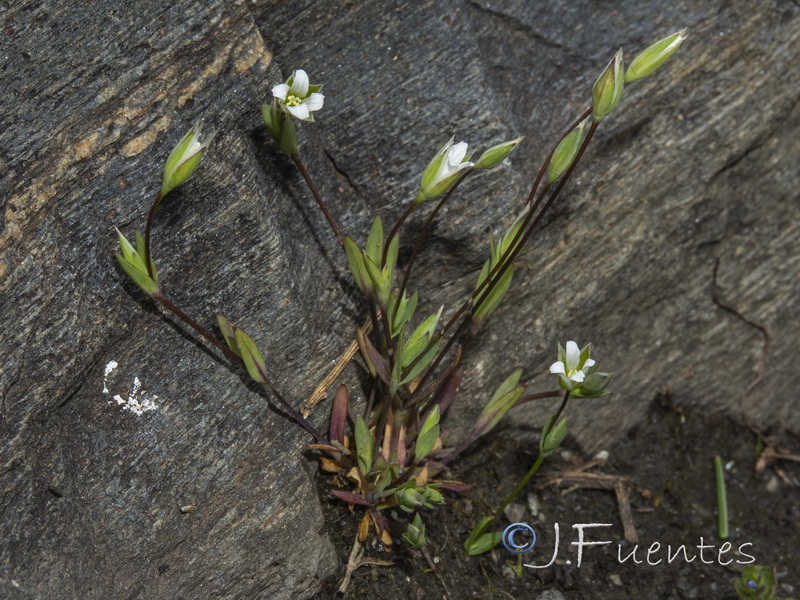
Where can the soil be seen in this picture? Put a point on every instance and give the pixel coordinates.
(669, 462)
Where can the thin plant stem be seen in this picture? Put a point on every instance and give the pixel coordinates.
(426, 226)
(538, 396)
(294, 414)
(222, 346)
(150, 215)
(536, 465)
(558, 414)
(510, 255)
(442, 353)
(517, 244)
(315, 192)
(393, 232)
(516, 247)
(286, 406)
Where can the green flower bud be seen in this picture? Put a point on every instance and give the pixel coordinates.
(566, 151)
(607, 90)
(184, 158)
(655, 56)
(415, 534)
(594, 386)
(408, 499)
(432, 495)
(497, 154)
(549, 443)
(443, 170)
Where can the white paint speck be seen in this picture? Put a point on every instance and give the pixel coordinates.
(109, 368)
(136, 401)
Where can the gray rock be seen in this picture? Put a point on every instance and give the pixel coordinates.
(699, 164)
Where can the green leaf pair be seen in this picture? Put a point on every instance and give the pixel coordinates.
(415, 349)
(428, 434)
(487, 304)
(365, 446)
(552, 436)
(372, 279)
(478, 542)
(132, 262)
(400, 311)
(503, 400)
(245, 348)
(415, 534)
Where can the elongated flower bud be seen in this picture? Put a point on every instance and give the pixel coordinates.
(655, 56)
(443, 170)
(497, 154)
(607, 90)
(566, 151)
(184, 158)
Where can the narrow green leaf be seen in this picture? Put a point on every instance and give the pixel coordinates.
(402, 313)
(365, 446)
(421, 364)
(484, 543)
(492, 301)
(140, 250)
(428, 434)
(356, 262)
(380, 285)
(478, 542)
(128, 251)
(374, 247)
(502, 401)
(253, 361)
(141, 279)
(228, 330)
(391, 257)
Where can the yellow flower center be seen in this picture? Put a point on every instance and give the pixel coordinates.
(292, 100)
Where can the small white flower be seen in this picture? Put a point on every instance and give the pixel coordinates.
(442, 171)
(297, 98)
(572, 366)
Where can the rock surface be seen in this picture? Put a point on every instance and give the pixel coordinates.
(698, 166)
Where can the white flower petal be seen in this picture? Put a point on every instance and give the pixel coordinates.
(314, 101)
(300, 84)
(457, 153)
(589, 363)
(558, 367)
(300, 111)
(573, 355)
(443, 172)
(578, 376)
(280, 91)
(444, 149)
